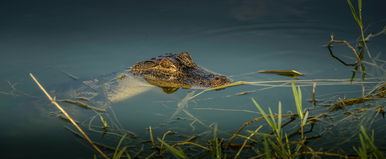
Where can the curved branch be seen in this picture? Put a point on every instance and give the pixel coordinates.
(357, 57)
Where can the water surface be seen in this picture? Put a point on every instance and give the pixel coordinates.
(234, 38)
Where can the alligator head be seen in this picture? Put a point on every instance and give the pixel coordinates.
(173, 71)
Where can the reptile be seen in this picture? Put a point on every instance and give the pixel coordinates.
(170, 72)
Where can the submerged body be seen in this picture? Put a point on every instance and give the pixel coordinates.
(169, 72)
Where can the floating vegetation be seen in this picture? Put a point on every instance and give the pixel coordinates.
(380, 93)
(83, 99)
(288, 73)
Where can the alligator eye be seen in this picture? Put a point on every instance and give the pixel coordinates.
(167, 64)
(148, 64)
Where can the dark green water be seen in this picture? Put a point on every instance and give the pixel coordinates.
(234, 37)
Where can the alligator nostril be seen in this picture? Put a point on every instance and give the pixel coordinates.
(220, 78)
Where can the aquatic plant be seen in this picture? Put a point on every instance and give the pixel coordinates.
(360, 46)
(367, 148)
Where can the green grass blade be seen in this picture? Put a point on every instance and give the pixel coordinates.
(217, 145)
(279, 120)
(265, 115)
(304, 121)
(369, 142)
(267, 149)
(300, 96)
(274, 125)
(120, 153)
(118, 146)
(287, 144)
(298, 99)
(363, 150)
(360, 10)
(354, 13)
(128, 155)
(246, 140)
(176, 152)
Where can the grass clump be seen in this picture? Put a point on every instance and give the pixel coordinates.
(278, 143)
(367, 148)
(120, 152)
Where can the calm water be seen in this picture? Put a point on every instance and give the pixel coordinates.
(234, 38)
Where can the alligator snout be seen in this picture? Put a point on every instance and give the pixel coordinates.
(219, 80)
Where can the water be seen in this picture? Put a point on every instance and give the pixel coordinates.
(93, 38)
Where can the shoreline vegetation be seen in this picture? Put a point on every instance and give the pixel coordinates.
(277, 144)
(278, 135)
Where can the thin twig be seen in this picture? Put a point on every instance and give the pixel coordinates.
(322, 153)
(246, 140)
(53, 101)
(353, 50)
(224, 109)
(314, 94)
(191, 143)
(151, 136)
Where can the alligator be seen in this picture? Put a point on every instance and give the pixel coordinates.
(169, 72)
(173, 71)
